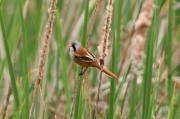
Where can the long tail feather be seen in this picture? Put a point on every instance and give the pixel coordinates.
(106, 71)
(109, 73)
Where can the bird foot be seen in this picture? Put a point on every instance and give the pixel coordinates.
(82, 71)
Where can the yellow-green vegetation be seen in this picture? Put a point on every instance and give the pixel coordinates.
(138, 40)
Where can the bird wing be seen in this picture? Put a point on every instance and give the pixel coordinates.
(84, 55)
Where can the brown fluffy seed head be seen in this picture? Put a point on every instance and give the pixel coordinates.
(139, 37)
(106, 32)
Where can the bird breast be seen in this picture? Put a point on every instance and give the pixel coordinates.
(71, 52)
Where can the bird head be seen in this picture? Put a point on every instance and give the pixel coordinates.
(73, 47)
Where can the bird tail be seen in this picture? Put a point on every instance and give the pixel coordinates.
(108, 72)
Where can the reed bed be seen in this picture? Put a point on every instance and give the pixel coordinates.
(138, 40)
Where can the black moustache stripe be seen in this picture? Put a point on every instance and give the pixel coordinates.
(74, 47)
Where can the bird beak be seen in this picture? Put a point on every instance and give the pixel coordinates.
(69, 45)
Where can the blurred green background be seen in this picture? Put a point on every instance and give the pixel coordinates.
(153, 93)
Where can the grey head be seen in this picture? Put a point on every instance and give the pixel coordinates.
(74, 46)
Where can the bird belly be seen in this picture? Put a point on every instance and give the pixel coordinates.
(83, 64)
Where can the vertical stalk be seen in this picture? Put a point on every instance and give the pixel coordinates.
(169, 48)
(78, 113)
(61, 42)
(44, 53)
(10, 66)
(24, 61)
(86, 16)
(133, 98)
(115, 54)
(151, 38)
(171, 87)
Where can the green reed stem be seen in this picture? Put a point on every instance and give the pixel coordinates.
(24, 60)
(10, 66)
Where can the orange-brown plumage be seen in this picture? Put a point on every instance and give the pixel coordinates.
(85, 58)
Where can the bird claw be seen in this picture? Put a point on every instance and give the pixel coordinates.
(82, 71)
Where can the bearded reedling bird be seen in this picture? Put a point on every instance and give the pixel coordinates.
(86, 59)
